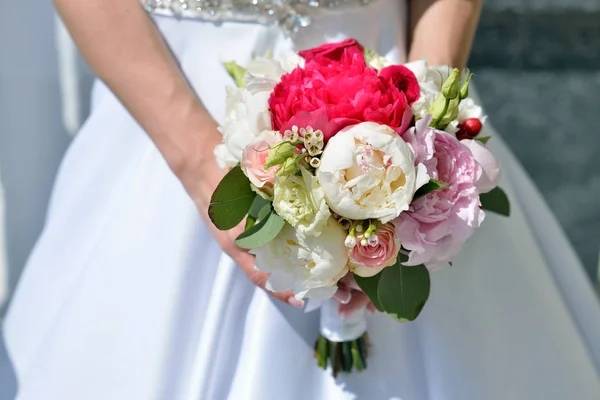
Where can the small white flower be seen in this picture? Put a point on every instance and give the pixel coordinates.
(350, 241)
(291, 135)
(308, 266)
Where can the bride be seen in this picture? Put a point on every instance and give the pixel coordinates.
(128, 294)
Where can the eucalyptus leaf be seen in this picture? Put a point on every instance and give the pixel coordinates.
(265, 211)
(231, 200)
(403, 291)
(261, 233)
(369, 286)
(257, 205)
(495, 201)
(429, 187)
(483, 139)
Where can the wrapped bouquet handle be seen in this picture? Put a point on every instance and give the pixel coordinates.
(342, 343)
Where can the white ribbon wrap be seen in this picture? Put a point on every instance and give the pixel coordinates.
(337, 329)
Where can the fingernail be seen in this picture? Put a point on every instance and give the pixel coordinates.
(342, 296)
(292, 301)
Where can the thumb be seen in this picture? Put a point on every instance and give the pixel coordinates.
(246, 263)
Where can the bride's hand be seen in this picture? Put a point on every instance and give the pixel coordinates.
(139, 68)
(246, 262)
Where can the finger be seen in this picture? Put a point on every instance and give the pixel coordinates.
(342, 295)
(246, 263)
(288, 298)
(359, 300)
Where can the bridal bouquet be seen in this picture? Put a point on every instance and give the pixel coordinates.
(353, 172)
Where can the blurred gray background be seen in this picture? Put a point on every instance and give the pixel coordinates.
(537, 66)
(538, 71)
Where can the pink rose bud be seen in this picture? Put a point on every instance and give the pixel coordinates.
(371, 255)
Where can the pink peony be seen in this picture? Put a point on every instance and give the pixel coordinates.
(490, 169)
(253, 162)
(334, 52)
(376, 253)
(437, 225)
(345, 92)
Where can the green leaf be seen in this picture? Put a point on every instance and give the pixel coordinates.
(261, 233)
(265, 211)
(495, 201)
(257, 205)
(250, 222)
(483, 139)
(231, 200)
(237, 72)
(429, 187)
(403, 291)
(369, 286)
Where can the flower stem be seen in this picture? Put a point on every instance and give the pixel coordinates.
(342, 356)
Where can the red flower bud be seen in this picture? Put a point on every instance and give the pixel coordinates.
(469, 129)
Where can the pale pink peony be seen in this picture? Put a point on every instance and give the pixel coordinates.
(437, 226)
(253, 162)
(381, 251)
(490, 169)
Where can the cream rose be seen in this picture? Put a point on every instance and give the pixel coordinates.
(367, 171)
(300, 200)
(308, 266)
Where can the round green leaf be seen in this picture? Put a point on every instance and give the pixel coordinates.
(231, 200)
(403, 291)
(495, 201)
(370, 286)
(257, 205)
(265, 211)
(261, 233)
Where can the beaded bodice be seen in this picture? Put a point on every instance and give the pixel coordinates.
(290, 15)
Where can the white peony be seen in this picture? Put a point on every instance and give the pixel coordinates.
(308, 266)
(300, 200)
(246, 116)
(368, 171)
(247, 109)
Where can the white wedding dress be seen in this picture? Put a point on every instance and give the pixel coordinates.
(127, 296)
